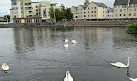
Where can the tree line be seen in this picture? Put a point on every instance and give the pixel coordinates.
(60, 14)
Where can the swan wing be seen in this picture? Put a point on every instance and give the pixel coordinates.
(119, 64)
(133, 79)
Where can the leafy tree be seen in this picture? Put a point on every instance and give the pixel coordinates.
(61, 14)
(68, 14)
(51, 12)
(7, 17)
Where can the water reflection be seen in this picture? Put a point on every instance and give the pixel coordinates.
(39, 53)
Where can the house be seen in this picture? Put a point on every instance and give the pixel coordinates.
(96, 11)
(125, 9)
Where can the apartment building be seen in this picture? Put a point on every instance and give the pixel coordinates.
(20, 9)
(92, 11)
(79, 12)
(25, 9)
(109, 13)
(96, 11)
(125, 9)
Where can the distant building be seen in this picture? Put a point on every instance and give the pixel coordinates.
(79, 12)
(96, 11)
(109, 13)
(92, 11)
(27, 9)
(125, 9)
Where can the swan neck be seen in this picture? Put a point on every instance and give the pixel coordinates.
(128, 63)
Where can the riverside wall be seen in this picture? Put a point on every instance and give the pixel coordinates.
(112, 23)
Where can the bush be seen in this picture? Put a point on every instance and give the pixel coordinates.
(132, 28)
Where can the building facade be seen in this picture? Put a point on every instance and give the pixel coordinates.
(125, 9)
(92, 11)
(27, 9)
(96, 11)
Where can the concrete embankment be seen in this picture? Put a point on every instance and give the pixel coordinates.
(112, 23)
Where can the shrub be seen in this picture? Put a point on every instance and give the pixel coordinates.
(132, 28)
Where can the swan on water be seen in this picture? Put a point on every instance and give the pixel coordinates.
(121, 65)
(68, 77)
(66, 40)
(66, 45)
(133, 79)
(5, 67)
(73, 41)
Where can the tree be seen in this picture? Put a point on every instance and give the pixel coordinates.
(68, 14)
(7, 17)
(61, 14)
(51, 12)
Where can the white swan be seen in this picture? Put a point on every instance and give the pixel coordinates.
(121, 65)
(66, 40)
(132, 79)
(73, 41)
(66, 45)
(5, 67)
(68, 77)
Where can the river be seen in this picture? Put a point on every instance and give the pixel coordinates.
(38, 54)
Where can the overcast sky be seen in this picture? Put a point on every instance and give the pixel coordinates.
(5, 4)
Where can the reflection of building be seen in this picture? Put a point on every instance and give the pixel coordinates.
(27, 9)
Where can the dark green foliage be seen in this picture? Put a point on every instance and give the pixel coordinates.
(7, 17)
(132, 28)
(61, 14)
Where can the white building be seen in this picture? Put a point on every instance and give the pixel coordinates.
(125, 9)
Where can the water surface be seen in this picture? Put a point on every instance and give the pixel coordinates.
(37, 54)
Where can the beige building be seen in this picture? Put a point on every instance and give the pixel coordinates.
(125, 9)
(20, 9)
(27, 9)
(96, 11)
(79, 13)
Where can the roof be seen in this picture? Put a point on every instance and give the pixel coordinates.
(110, 9)
(133, 2)
(121, 2)
(100, 4)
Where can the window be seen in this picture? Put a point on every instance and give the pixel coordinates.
(120, 10)
(124, 15)
(36, 6)
(94, 15)
(94, 7)
(134, 9)
(130, 14)
(134, 14)
(120, 15)
(84, 15)
(94, 11)
(91, 11)
(14, 3)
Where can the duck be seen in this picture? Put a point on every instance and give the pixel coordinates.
(65, 45)
(66, 40)
(133, 79)
(5, 67)
(73, 42)
(121, 65)
(68, 77)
